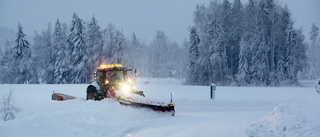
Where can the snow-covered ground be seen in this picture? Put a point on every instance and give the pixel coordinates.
(235, 111)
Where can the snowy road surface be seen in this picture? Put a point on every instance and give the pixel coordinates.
(236, 111)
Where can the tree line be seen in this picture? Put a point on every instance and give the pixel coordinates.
(251, 44)
(71, 53)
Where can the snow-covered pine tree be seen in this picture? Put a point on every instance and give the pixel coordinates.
(174, 60)
(290, 59)
(23, 71)
(22, 45)
(95, 43)
(119, 47)
(193, 48)
(282, 18)
(44, 58)
(193, 56)
(261, 68)
(250, 21)
(244, 74)
(159, 55)
(314, 33)
(61, 71)
(6, 69)
(237, 33)
(216, 54)
(109, 42)
(77, 47)
(247, 46)
(299, 54)
(227, 37)
(52, 55)
(133, 53)
(266, 25)
(313, 53)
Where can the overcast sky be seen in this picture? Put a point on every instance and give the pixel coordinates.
(143, 17)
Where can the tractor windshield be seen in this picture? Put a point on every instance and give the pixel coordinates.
(116, 76)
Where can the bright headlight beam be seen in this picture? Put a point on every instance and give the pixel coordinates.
(126, 88)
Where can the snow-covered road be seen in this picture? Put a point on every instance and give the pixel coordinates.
(234, 112)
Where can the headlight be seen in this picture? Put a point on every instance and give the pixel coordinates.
(130, 81)
(107, 82)
(126, 88)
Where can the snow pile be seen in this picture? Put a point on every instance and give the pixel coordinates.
(295, 119)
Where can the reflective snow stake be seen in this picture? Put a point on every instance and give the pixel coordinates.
(213, 90)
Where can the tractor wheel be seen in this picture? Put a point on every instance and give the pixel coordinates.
(91, 92)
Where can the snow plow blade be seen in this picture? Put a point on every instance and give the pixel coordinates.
(62, 97)
(155, 107)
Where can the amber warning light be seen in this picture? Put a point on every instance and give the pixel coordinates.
(110, 65)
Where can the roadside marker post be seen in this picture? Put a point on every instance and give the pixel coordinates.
(212, 90)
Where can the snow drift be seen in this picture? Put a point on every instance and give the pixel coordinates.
(290, 120)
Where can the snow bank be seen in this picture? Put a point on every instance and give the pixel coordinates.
(289, 120)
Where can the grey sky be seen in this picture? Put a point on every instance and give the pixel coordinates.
(144, 17)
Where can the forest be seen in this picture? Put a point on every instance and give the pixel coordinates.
(230, 43)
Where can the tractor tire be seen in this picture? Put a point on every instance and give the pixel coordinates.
(91, 93)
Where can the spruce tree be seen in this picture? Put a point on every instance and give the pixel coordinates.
(290, 59)
(61, 62)
(193, 56)
(23, 72)
(77, 46)
(314, 33)
(94, 51)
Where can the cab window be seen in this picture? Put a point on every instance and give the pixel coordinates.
(115, 76)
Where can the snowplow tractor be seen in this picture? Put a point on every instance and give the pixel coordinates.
(111, 76)
(113, 81)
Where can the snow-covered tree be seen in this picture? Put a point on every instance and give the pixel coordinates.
(95, 43)
(193, 47)
(261, 69)
(119, 47)
(61, 71)
(109, 42)
(226, 22)
(300, 53)
(8, 109)
(193, 56)
(290, 59)
(216, 54)
(6, 64)
(237, 33)
(159, 55)
(244, 73)
(22, 45)
(44, 56)
(77, 46)
(314, 33)
(23, 71)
